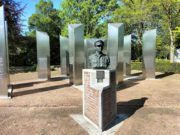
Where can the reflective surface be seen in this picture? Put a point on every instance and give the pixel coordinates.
(4, 76)
(115, 49)
(177, 55)
(77, 57)
(89, 48)
(43, 55)
(127, 55)
(64, 51)
(149, 53)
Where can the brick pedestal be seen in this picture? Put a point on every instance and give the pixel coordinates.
(99, 97)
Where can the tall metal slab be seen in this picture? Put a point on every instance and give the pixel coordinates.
(64, 51)
(76, 44)
(115, 49)
(43, 55)
(89, 48)
(127, 55)
(4, 65)
(149, 53)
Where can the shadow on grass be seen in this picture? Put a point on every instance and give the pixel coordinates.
(38, 90)
(126, 110)
(164, 75)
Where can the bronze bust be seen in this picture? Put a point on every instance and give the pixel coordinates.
(98, 60)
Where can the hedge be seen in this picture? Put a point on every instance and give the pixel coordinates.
(161, 66)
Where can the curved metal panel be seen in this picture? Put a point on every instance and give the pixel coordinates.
(115, 49)
(177, 55)
(149, 53)
(43, 55)
(127, 55)
(4, 65)
(64, 51)
(90, 49)
(76, 48)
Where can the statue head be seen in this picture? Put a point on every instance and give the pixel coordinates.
(99, 45)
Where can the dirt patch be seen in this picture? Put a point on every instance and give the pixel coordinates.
(39, 121)
(151, 107)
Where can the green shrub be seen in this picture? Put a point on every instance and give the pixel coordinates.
(161, 66)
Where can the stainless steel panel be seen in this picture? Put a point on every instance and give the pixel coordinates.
(64, 51)
(43, 68)
(115, 49)
(90, 49)
(43, 55)
(7, 50)
(149, 53)
(4, 76)
(177, 55)
(76, 44)
(127, 55)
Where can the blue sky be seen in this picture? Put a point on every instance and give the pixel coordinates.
(30, 9)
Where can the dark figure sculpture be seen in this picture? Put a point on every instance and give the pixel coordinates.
(98, 60)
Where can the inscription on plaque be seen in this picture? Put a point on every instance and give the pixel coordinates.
(100, 76)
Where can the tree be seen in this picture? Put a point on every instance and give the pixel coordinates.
(45, 19)
(170, 10)
(137, 17)
(94, 14)
(13, 13)
(146, 14)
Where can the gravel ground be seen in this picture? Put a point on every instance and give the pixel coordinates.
(152, 107)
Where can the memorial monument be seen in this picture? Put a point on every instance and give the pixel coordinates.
(43, 55)
(115, 49)
(99, 94)
(64, 51)
(127, 55)
(5, 89)
(76, 50)
(149, 53)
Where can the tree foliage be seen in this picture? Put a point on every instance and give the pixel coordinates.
(170, 10)
(94, 14)
(137, 16)
(140, 15)
(13, 13)
(45, 19)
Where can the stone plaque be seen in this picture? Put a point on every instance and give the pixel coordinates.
(100, 76)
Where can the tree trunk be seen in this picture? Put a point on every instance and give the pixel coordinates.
(171, 46)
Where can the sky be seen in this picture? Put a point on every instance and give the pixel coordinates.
(30, 9)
